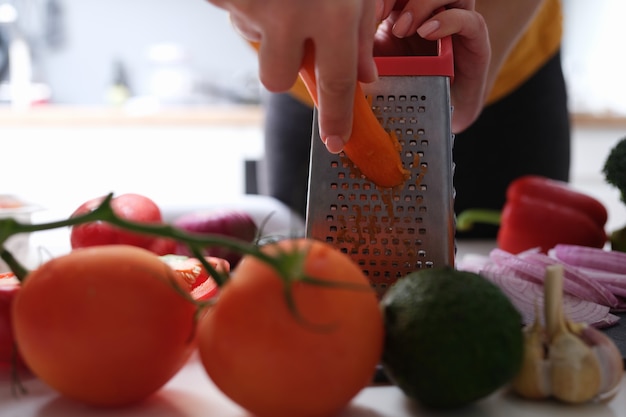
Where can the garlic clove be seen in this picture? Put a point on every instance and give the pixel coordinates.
(575, 373)
(610, 359)
(533, 379)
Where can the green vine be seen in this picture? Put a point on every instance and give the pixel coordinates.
(288, 265)
(104, 212)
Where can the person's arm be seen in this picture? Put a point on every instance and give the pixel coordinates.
(507, 21)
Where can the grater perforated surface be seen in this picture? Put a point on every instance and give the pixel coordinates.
(390, 233)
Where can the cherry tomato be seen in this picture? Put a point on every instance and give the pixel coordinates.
(276, 362)
(9, 286)
(133, 207)
(106, 325)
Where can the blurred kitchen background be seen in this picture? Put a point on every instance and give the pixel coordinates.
(178, 50)
(161, 97)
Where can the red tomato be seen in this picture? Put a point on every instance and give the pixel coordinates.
(133, 207)
(279, 363)
(199, 281)
(9, 286)
(107, 325)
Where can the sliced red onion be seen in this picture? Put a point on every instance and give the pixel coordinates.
(535, 272)
(597, 292)
(527, 297)
(608, 277)
(596, 258)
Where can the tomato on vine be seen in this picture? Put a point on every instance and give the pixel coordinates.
(299, 344)
(129, 206)
(107, 325)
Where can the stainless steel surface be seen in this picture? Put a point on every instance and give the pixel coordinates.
(390, 233)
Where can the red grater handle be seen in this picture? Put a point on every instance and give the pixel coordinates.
(440, 64)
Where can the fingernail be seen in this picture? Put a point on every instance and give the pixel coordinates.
(401, 28)
(334, 144)
(428, 28)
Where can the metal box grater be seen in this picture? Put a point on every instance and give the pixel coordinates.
(390, 233)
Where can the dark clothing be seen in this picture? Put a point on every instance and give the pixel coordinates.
(285, 170)
(527, 132)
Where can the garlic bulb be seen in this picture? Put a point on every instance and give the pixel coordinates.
(572, 362)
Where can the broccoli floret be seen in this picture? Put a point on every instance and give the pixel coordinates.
(615, 168)
(615, 174)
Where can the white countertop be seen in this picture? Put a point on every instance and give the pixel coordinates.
(191, 394)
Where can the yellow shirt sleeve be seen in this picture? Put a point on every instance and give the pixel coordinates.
(536, 46)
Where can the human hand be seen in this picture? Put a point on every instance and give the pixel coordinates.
(405, 20)
(342, 32)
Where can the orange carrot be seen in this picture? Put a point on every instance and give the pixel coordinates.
(374, 151)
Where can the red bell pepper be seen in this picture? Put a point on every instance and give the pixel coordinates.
(540, 213)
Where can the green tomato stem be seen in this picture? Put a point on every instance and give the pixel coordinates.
(104, 212)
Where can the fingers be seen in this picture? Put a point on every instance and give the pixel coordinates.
(367, 70)
(472, 54)
(435, 19)
(415, 12)
(336, 63)
(280, 58)
(342, 32)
